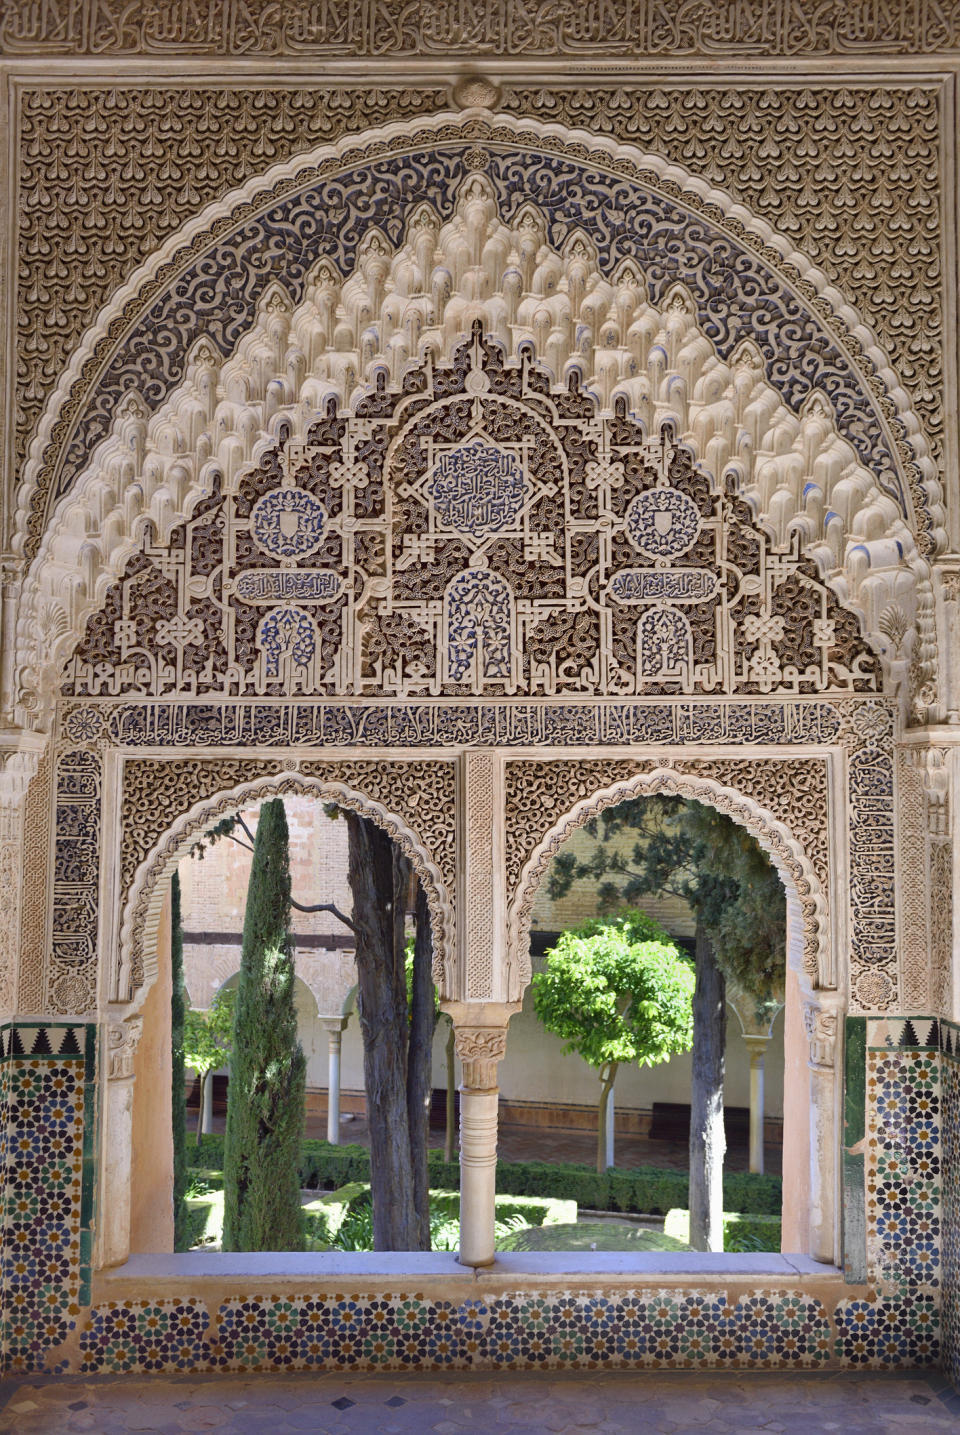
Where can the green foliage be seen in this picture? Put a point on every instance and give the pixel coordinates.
(226, 827)
(648, 1190)
(742, 1231)
(356, 1233)
(617, 990)
(200, 1223)
(589, 1236)
(705, 858)
(351, 1228)
(268, 1071)
(208, 1035)
(408, 954)
(177, 1064)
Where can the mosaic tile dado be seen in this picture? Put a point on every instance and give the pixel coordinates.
(46, 1104)
(950, 1232)
(765, 1330)
(48, 1107)
(903, 1168)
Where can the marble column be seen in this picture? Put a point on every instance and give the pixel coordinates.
(479, 1048)
(757, 1049)
(335, 1028)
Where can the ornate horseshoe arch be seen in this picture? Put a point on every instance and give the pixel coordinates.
(807, 944)
(854, 487)
(141, 911)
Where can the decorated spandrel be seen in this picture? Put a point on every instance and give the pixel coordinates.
(475, 532)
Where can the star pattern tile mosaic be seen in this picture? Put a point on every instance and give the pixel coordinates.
(47, 1105)
(48, 1100)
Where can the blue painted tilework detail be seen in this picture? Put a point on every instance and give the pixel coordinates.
(950, 1251)
(736, 293)
(649, 1329)
(903, 1168)
(48, 1076)
(902, 1332)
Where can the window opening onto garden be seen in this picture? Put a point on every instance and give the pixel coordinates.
(315, 1057)
(569, 1177)
(611, 1050)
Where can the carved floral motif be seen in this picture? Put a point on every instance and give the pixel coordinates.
(125, 146)
(508, 587)
(123, 1038)
(480, 1048)
(821, 1030)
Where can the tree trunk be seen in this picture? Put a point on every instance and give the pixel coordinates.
(450, 1135)
(378, 885)
(608, 1076)
(707, 1140)
(419, 1067)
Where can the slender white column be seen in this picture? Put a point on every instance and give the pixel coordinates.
(207, 1126)
(609, 1129)
(334, 1037)
(757, 1047)
(479, 1049)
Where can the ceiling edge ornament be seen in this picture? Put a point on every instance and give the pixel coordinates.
(808, 287)
(809, 956)
(391, 29)
(141, 911)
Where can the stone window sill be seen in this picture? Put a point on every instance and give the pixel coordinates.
(255, 1267)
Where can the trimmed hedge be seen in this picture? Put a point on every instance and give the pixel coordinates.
(741, 1231)
(648, 1190)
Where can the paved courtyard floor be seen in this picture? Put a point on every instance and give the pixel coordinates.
(724, 1403)
(553, 1143)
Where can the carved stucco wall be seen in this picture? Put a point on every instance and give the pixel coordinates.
(853, 523)
(785, 798)
(624, 29)
(413, 801)
(791, 154)
(849, 174)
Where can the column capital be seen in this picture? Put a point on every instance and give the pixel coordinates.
(123, 1038)
(479, 1049)
(20, 752)
(821, 1026)
(480, 1038)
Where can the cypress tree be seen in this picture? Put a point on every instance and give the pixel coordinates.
(178, 1106)
(268, 1071)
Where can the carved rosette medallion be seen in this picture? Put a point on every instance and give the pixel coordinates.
(663, 523)
(288, 523)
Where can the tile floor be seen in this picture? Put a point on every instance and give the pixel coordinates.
(502, 1404)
